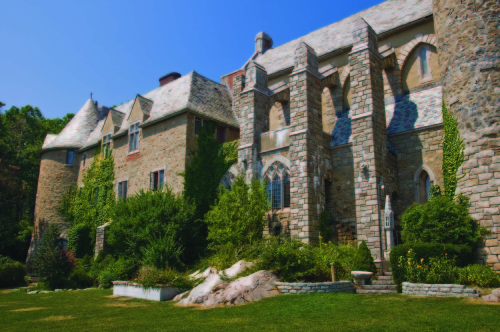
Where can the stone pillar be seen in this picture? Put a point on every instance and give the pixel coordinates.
(469, 57)
(307, 151)
(253, 101)
(100, 238)
(369, 133)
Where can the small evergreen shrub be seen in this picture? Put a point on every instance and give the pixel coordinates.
(12, 273)
(150, 277)
(238, 216)
(441, 220)
(363, 261)
(461, 254)
(478, 275)
(80, 240)
(52, 262)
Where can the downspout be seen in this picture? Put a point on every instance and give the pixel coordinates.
(380, 187)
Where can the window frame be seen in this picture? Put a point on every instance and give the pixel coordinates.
(157, 182)
(197, 129)
(418, 54)
(221, 129)
(120, 193)
(269, 176)
(106, 144)
(136, 134)
(68, 153)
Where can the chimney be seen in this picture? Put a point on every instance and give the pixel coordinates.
(169, 78)
(263, 42)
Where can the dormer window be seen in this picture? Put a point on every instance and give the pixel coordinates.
(106, 145)
(133, 138)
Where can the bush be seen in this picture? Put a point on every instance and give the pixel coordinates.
(112, 270)
(153, 224)
(363, 261)
(12, 272)
(462, 255)
(478, 275)
(52, 261)
(440, 270)
(79, 278)
(80, 240)
(150, 277)
(441, 220)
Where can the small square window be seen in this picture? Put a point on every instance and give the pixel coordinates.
(70, 157)
(157, 179)
(122, 189)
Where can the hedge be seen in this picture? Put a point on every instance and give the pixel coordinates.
(12, 273)
(463, 255)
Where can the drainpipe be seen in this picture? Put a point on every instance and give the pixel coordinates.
(380, 187)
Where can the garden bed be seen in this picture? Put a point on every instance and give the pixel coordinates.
(316, 287)
(438, 290)
(130, 289)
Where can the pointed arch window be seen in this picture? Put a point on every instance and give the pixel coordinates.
(277, 179)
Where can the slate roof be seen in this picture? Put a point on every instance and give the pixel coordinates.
(77, 131)
(191, 92)
(48, 139)
(417, 110)
(117, 117)
(94, 137)
(383, 17)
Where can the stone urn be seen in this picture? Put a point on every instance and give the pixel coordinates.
(361, 276)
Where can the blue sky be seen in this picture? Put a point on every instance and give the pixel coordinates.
(54, 53)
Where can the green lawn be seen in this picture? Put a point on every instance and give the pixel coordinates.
(97, 310)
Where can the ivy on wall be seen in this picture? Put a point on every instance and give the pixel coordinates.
(92, 203)
(453, 152)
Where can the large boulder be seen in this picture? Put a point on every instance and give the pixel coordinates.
(201, 292)
(237, 268)
(247, 289)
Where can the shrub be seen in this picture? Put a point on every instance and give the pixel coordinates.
(12, 273)
(150, 277)
(150, 223)
(238, 216)
(80, 240)
(79, 278)
(461, 254)
(440, 220)
(111, 269)
(363, 261)
(325, 230)
(479, 275)
(440, 270)
(52, 261)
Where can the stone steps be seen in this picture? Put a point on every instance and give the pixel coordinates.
(382, 282)
(378, 291)
(379, 287)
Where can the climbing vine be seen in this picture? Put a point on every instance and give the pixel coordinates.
(453, 152)
(92, 203)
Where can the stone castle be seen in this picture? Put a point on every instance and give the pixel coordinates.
(346, 118)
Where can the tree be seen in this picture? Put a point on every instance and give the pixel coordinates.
(363, 261)
(238, 216)
(22, 133)
(441, 220)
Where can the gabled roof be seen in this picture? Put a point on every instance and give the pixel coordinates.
(76, 132)
(146, 104)
(117, 117)
(95, 137)
(191, 92)
(386, 16)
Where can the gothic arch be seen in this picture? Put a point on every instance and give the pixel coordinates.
(412, 44)
(277, 158)
(416, 179)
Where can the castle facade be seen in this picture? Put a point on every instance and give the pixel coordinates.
(346, 118)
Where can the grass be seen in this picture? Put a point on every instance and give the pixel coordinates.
(98, 310)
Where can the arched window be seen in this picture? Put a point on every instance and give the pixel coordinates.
(420, 68)
(424, 186)
(277, 180)
(423, 61)
(286, 190)
(276, 192)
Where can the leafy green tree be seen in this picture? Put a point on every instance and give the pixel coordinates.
(441, 220)
(209, 163)
(363, 261)
(51, 260)
(157, 228)
(238, 215)
(22, 133)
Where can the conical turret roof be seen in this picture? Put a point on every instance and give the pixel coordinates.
(77, 131)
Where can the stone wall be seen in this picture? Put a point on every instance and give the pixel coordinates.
(317, 287)
(416, 148)
(468, 46)
(343, 195)
(438, 290)
(54, 180)
(162, 146)
(100, 238)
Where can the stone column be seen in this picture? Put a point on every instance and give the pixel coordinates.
(469, 57)
(100, 238)
(307, 152)
(253, 101)
(389, 226)
(368, 132)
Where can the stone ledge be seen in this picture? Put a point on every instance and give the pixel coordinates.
(318, 287)
(438, 290)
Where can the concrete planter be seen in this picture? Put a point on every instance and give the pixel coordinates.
(361, 276)
(129, 289)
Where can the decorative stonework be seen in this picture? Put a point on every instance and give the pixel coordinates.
(317, 287)
(438, 290)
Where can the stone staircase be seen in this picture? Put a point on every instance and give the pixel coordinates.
(383, 285)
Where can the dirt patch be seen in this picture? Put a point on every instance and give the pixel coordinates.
(119, 298)
(56, 318)
(478, 300)
(126, 305)
(7, 291)
(28, 309)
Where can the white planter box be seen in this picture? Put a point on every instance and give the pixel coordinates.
(129, 289)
